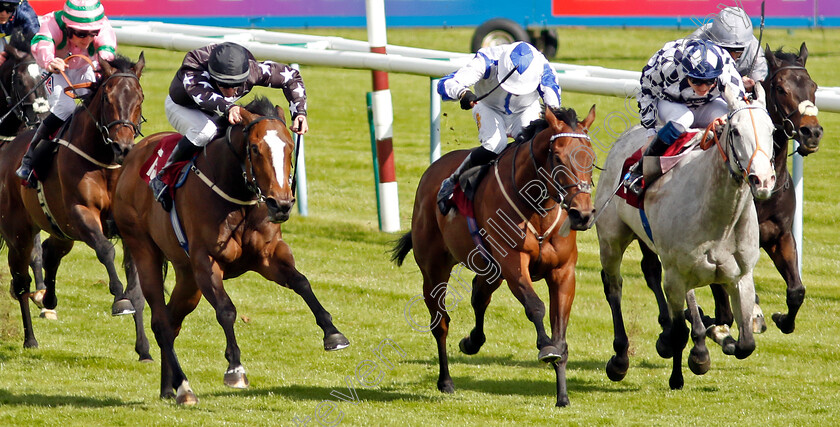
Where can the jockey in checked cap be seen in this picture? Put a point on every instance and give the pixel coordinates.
(681, 88)
(16, 15)
(211, 79)
(80, 28)
(732, 30)
(510, 80)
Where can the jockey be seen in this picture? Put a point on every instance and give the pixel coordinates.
(523, 75)
(733, 31)
(681, 88)
(206, 86)
(81, 28)
(16, 15)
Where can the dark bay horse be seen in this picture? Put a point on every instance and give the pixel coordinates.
(790, 100)
(75, 190)
(231, 206)
(534, 187)
(22, 106)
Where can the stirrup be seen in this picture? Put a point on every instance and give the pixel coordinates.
(160, 193)
(634, 183)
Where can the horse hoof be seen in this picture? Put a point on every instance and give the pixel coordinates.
(759, 325)
(185, 395)
(781, 322)
(663, 350)
(145, 359)
(236, 380)
(616, 371)
(728, 346)
(446, 386)
(38, 297)
(48, 314)
(466, 346)
(562, 402)
(122, 307)
(167, 394)
(699, 362)
(549, 354)
(676, 382)
(33, 343)
(336, 341)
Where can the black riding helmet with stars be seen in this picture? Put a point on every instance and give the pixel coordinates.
(229, 64)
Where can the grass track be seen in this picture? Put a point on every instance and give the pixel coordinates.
(84, 372)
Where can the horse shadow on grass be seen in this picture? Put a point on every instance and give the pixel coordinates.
(54, 400)
(316, 393)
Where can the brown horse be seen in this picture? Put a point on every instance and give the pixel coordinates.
(231, 206)
(537, 184)
(23, 105)
(75, 191)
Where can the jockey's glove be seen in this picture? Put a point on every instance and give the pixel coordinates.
(467, 100)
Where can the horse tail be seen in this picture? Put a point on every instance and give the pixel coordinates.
(402, 247)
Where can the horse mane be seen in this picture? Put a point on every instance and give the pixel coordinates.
(567, 115)
(785, 56)
(263, 106)
(21, 40)
(122, 64)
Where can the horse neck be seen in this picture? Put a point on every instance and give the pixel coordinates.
(223, 167)
(717, 190)
(526, 172)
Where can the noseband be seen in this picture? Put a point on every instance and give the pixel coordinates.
(106, 130)
(13, 96)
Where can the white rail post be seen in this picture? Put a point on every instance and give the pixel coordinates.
(300, 172)
(434, 122)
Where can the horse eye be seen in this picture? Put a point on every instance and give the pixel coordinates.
(736, 133)
(255, 149)
(780, 89)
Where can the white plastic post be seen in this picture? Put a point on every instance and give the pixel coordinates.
(434, 121)
(300, 172)
(797, 174)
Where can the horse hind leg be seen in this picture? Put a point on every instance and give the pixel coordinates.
(482, 292)
(785, 258)
(135, 295)
(434, 294)
(619, 362)
(652, 271)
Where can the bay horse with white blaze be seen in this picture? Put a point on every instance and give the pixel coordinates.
(701, 222)
(72, 200)
(231, 205)
(541, 187)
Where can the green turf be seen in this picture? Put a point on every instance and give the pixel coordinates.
(85, 373)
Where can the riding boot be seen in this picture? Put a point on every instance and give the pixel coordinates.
(182, 151)
(37, 148)
(477, 157)
(633, 180)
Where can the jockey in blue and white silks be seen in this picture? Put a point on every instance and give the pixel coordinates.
(683, 83)
(509, 81)
(733, 31)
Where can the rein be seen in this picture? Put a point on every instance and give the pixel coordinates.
(742, 172)
(559, 201)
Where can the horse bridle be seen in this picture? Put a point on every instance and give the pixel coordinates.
(106, 130)
(562, 194)
(786, 117)
(250, 184)
(12, 96)
(729, 130)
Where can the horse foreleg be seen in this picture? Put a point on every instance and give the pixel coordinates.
(561, 289)
(482, 291)
(619, 362)
(742, 295)
(135, 295)
(519, 282)
(698, 359)
(784, 257)
(675, 337)
(92, 235)
(723, 311)
(20, 289)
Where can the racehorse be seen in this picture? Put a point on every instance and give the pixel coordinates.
(231, 206)
(75, 189)
(790, 100)
(539, 182)
(699, 218)
(23, 105)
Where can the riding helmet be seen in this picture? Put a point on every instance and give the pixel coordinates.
(527, 65)
(731, 29)
(85, 15)
(229, 63)
(701, 60)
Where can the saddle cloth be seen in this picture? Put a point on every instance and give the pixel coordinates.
(158, 158)
(655, 166)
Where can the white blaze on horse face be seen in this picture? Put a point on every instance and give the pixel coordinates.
(807, 108)
(41, 105)
(754, 148)
(278, 154)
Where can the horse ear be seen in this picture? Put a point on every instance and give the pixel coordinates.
(730, 96)
(803, 54)
(247, 117)
(770, 57)
(138, 66)
(587, 122)
(279, 110)
(551, 118)
(759, 95)
(107, 69)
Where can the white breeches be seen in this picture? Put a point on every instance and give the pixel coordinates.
(690, 117)
(494, 128)
(196, 125)
(60, 104)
